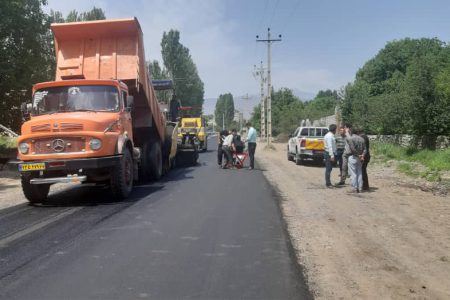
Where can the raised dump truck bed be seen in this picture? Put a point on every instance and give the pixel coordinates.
(109, 49)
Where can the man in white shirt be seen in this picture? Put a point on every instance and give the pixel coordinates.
(227, 147)
(330, 153)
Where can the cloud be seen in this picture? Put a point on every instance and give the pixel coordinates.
(203, 27)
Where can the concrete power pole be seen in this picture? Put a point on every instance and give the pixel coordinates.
(269, 42)
(263, 103)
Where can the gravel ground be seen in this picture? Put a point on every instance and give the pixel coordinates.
(11, 191)
(392, 242)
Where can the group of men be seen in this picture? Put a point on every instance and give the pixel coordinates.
(230, 142)
(350, 149)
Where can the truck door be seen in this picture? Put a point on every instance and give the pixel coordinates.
(125, 117)
(292, 141)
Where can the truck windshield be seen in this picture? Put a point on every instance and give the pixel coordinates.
(76, 98)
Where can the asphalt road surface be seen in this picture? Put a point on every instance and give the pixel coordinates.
(200, 233)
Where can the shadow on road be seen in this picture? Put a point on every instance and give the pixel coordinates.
(97, 194)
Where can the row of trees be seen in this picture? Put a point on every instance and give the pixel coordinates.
(27, 52)
(288, 110)
(404, 89)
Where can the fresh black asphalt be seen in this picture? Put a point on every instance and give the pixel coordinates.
(200, 233)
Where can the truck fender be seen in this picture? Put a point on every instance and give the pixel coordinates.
(122, 141)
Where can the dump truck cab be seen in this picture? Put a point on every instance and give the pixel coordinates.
(99, 121)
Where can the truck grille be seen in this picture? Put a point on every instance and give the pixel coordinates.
(59, 145)
(71, 126)
(42, 127)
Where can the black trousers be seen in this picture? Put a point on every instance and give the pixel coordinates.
(365, 178)
(251, 153)
(219, 154)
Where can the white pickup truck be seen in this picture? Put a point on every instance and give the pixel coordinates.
(306, 143)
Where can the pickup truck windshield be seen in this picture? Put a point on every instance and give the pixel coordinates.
(76, 98)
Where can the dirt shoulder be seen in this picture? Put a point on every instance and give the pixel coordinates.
(392, 242)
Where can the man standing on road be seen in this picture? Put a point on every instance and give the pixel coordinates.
(222, 135)
(251, 141)
(365, 178)
(227, 148)
(330, 152)
(355, 150)
(340, 147)
(344, 171)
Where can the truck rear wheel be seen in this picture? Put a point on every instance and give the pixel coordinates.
(151, 167)
(35, 193)
(122, 177)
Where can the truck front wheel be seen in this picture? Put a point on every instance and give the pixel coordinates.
(35, 193)
(122, 177)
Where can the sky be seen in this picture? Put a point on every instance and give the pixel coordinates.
(324, 42)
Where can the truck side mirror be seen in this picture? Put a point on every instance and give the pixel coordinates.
(26, 110)
(130, 103)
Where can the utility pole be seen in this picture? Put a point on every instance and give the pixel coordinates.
(269, 42)
(223, 121)
(260, 72)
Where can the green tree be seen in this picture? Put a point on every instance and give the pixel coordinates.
(287, 111)
(402, 90)
(224, 111)
(24, 54)
(156, 71)
(182, 69)
(322, 105)
(94, 14)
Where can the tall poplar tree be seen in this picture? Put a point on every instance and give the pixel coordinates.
(182, 69)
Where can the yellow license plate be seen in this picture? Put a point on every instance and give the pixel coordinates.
(32, 167)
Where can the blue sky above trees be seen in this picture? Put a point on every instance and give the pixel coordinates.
(324, 42)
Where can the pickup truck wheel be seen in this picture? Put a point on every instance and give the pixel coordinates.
(289, 156)
(122, 177)
(35, 193)
(298, 159)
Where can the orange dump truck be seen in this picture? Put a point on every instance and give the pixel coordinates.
(99, 121)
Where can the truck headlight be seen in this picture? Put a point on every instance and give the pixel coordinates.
(95, 144)
(23, 148)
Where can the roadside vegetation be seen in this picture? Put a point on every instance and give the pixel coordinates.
(432, 165)
(7, 146)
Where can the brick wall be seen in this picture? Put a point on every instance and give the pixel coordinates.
(406, 140)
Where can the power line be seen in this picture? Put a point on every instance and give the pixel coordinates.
(273, 13)
(262, 15)
(288, 19)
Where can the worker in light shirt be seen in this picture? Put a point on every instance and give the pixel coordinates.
(251, 141)
(330, 153)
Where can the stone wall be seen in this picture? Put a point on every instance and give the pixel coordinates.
(406, 140)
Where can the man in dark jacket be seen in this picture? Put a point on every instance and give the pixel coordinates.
(365, 162)
(220, 153)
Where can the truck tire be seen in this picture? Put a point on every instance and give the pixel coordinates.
(122, 176)
(289, 156)
(298, 159)
(166, 155)
(155, 161)
(35, 193)
(151, 167)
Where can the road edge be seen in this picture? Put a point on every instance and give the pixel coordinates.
(277, 195)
